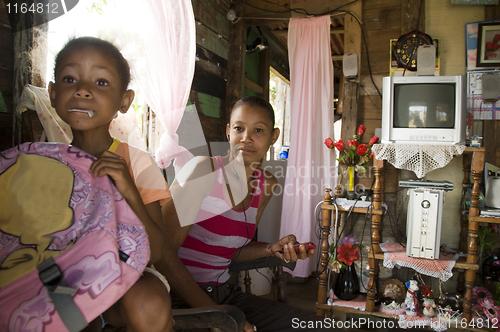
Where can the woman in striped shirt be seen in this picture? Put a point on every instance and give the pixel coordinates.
(216, 207)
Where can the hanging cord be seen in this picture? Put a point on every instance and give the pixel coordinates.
(334, 235)
(362, 237)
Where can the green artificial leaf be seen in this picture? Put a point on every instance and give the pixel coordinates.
(487, 237)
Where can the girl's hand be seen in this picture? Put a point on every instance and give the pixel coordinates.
(284, 249)
(114, 166)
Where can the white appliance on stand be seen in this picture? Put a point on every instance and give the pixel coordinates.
(425, 210)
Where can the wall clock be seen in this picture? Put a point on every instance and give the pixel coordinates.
(405, 51)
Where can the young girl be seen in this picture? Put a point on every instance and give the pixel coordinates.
(220, 226)
(90, 86)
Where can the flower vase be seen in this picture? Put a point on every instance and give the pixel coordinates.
(346, 285)
(350, 191)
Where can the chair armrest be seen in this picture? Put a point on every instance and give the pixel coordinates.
(226, 318)
(260, 263)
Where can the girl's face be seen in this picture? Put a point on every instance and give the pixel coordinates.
(251, 133)
(87, 91)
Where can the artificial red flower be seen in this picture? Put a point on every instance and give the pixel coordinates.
(347, 254)
(362, 149)
(340, 145)
(373, 140)
(361, 130)
(353, 143)
(372, 155)
(329, 143)
(496, 39)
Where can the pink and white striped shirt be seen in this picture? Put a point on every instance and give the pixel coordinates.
(219, 231)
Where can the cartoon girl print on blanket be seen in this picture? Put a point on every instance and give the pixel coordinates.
(53, 208)
(35, 206)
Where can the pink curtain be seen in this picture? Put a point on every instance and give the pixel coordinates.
(160, 35)
(311, 166)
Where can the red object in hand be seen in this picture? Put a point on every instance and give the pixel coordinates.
(308, 245)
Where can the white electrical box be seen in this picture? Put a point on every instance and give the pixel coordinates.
(425, 209)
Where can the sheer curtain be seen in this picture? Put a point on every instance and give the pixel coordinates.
(311, 166)
(160, 37)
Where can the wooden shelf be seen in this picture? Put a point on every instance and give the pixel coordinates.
(355, 311)
(491, 220)
(473, 166)
(470, 149)
(461, 263)
(326, 206)
(383, 315)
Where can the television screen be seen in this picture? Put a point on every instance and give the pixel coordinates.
(426, 105)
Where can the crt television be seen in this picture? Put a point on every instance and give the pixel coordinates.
(424, 110)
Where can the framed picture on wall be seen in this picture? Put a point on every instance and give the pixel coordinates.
(488, 45)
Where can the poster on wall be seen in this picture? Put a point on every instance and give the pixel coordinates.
(475, 104)
(471, 42)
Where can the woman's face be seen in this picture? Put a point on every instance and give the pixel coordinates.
(251, 133)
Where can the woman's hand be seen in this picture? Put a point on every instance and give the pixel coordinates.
(116, 167)
(284, 249)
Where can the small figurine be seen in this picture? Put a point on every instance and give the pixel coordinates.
(411, 300)
(429, 303)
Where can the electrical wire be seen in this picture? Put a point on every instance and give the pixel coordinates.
(247, 240)
(296, 10)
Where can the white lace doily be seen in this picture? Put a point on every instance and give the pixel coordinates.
(421, 159)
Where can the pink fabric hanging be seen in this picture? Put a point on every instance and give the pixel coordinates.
(311, 166)
(166, 46)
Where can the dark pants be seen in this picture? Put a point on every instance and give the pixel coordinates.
(268, 315)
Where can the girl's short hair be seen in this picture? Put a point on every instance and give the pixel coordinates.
(255, 101)
(103, 46)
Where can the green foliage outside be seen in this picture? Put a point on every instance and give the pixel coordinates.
(97, 6)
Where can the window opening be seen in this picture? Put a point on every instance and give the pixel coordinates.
(279, 98)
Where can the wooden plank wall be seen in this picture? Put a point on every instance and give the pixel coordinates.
(208, 91)
(382, 21)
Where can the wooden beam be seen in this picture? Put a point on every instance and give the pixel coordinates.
(349, 110)
(352, 35)
(253, 86)
(264, 67)
(280, 69)
(209, 83)
(411, 11)
(271, 37)
(236, 62)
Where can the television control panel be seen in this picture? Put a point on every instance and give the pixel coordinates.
(431, 138)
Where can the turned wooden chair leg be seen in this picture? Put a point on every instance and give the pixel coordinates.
(281, 277)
